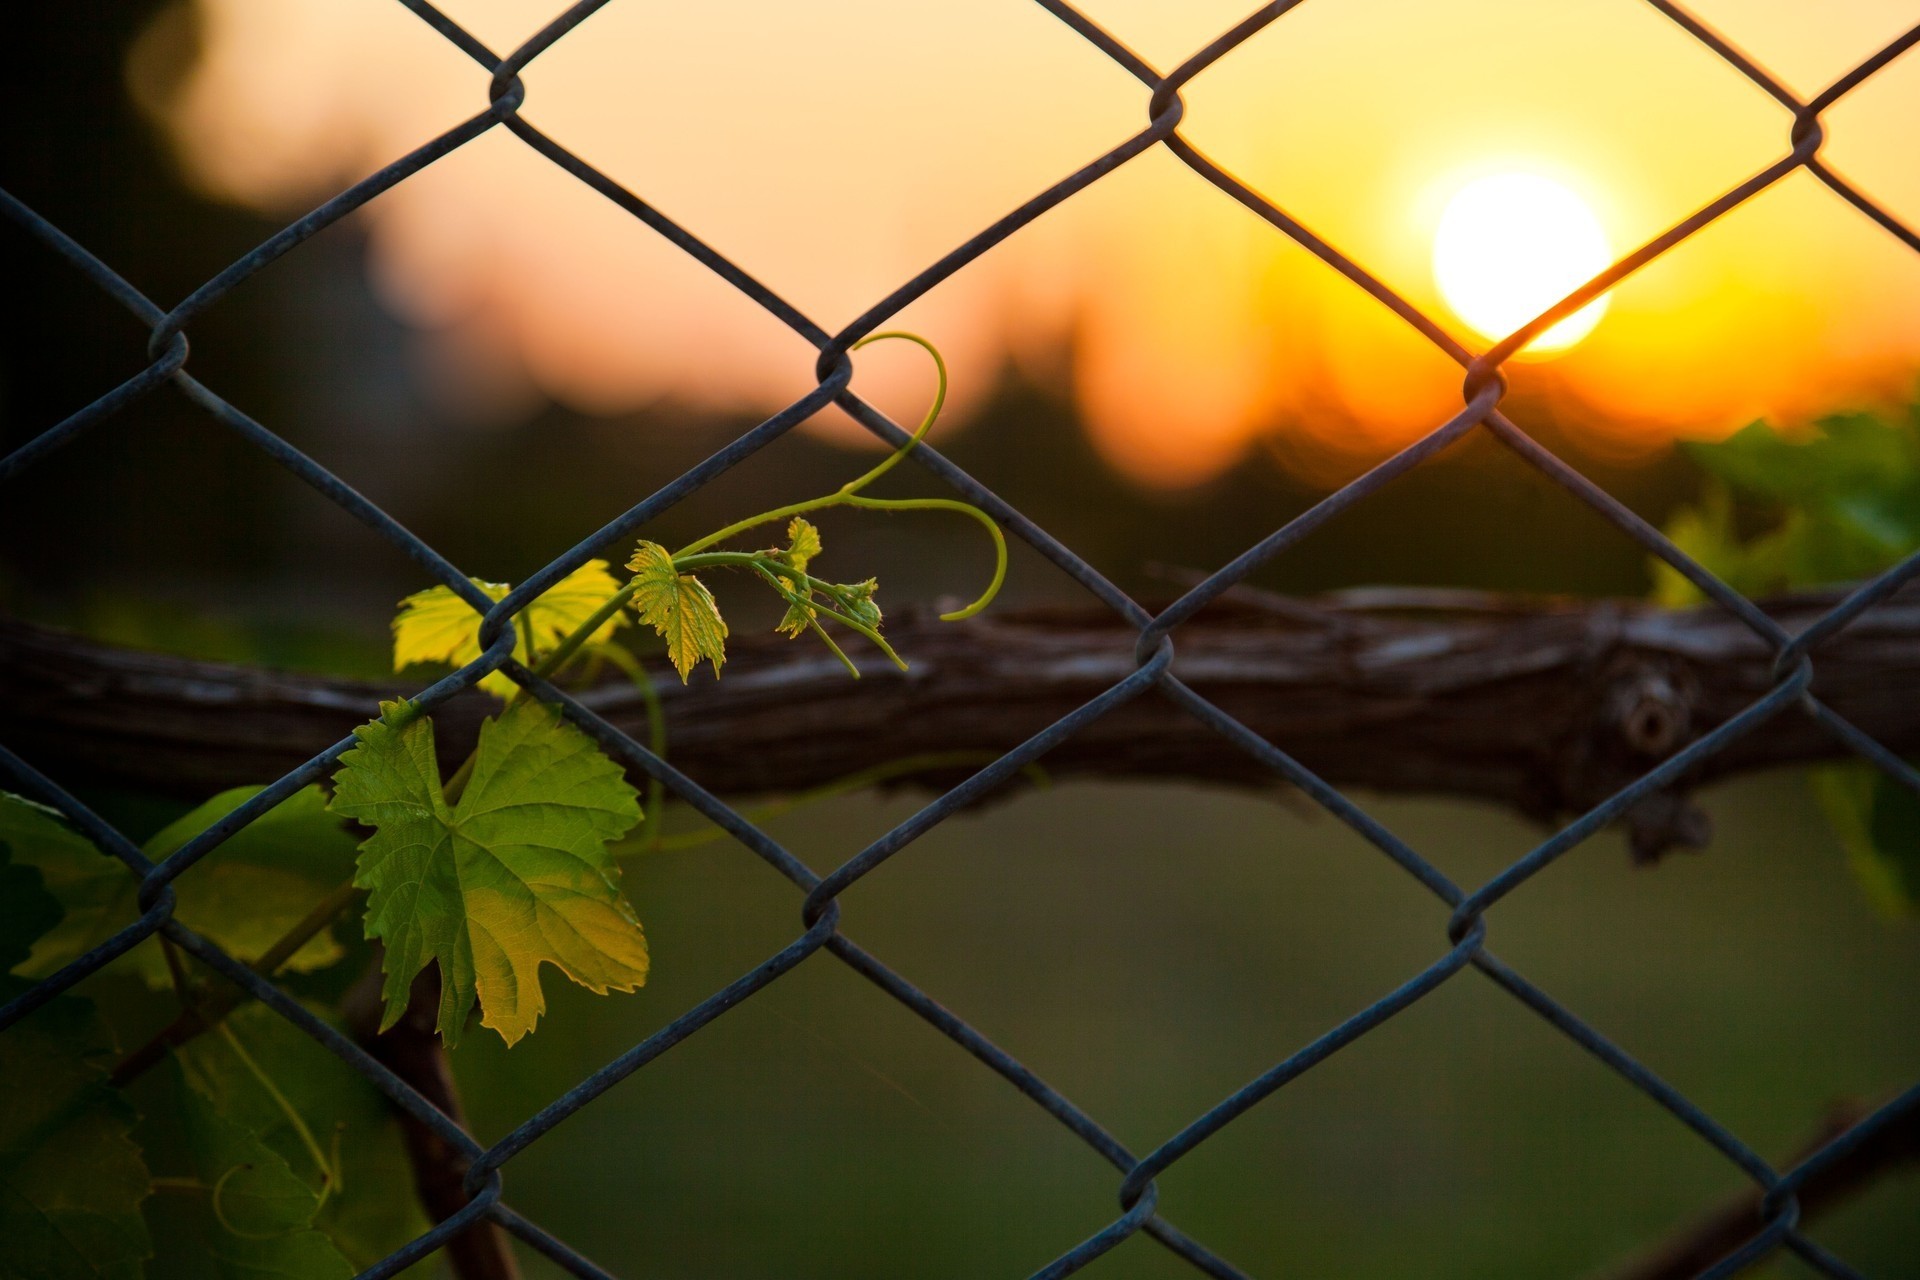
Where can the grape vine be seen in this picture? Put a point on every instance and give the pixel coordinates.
(289, 1162)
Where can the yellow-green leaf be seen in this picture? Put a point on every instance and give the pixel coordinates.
(513, 875)
(797, 619)
(803, 543)
(436, 625)
(679, 607)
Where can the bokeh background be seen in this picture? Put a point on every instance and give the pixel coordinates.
(504, 361)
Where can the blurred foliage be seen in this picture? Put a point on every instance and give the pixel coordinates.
(320, 1198)
(1837, 503)
(267, 1191)
(243, 895)
(71, 1178)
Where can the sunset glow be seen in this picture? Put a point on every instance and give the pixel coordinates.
(1509, 246)
(834, 151)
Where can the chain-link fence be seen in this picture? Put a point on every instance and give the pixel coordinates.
(1460, 936)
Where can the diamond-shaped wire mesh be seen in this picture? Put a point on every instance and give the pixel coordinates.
(1460, 939)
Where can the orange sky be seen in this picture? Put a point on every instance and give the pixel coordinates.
(835, 149)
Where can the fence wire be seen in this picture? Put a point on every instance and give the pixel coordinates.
(1460, 945)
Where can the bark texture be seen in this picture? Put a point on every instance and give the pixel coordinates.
(1544, 706)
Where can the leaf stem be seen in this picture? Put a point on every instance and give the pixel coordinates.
(846, 492)
(739, 527)
(892, 460)
(307, 928)
(697, 554)
(328, 1177)
(813, 625)
(786, 593)
(563, 653)
(986, 521)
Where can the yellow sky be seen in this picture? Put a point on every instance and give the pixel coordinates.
(835, 149)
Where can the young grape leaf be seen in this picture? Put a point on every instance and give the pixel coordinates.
(514, 874)
(327, 1221)
(796, 620)
(860, 602)
(803, 543)
(71, 1178)
(436, 625)
(244, 895)
(679, 607)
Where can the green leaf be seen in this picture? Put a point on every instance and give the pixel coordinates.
(260, 881)
(96, 893)
(281, 1211)
(27, 910)
(1878, 822)
(1841, 453)
(513, 875)
(259, 1219)
(243, 895)
(679, 607)
(436, 625)
(71, 1177)
(1706, 534)
(1835, 541)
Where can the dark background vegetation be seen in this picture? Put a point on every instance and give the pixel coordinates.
(1146, 948)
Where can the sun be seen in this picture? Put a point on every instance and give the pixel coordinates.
(1510, 245)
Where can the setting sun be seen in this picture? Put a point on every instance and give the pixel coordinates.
(1509, 246)
(1187, 333)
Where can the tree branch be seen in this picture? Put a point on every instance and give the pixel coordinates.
(411, 1050)
(1544, 706)
(1726, 1227)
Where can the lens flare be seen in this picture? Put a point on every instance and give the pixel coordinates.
(1509, 246)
